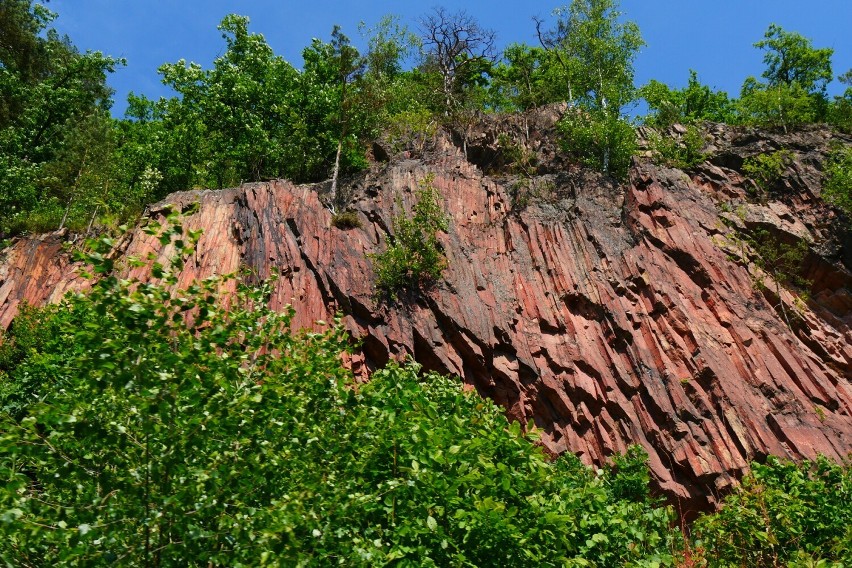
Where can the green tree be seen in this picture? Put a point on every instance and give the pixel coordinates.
(790, 58)
(796, 75)
(237, 113)
(529, 77)
(694, 102)
(49, 93)
(840, 111)
(602, 50)
(787, 106)
(600, 140)
(350, 67)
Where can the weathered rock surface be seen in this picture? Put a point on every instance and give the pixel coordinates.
(607, 315)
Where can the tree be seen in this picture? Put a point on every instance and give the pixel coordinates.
(796, 75)
(560, 44)
(602, 50)
(238, 109)
(840, 111)
(787, 106)
(350, 66)
(790, 58)
(459, 48)
(527, 78)
(589, 31)
(48, 90)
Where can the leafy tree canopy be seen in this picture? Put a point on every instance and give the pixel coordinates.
(791, 58)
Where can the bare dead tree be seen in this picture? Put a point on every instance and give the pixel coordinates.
(455, 44)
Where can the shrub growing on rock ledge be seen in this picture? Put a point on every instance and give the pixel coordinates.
(414, 257)
(837, 189)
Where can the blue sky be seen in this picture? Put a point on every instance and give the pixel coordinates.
(713, 37)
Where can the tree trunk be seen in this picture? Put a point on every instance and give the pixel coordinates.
(65, 216)
(333, 198)
(92, 221)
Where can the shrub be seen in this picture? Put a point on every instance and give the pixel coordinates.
(783, 512)
(414, 257)
(679, 152)
(785, 106)
(600, 140)
(837, 188)
(346, 220)
(516, 158)
(766, 169)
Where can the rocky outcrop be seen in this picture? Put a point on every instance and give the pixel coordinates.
(606, 314)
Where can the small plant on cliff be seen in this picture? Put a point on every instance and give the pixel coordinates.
(766, 169)
(345, 220)
(414, 256)
(679, 152)
(516, 157)
(781, 262)
(837, 188)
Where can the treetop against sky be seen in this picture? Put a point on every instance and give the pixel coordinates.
(714, 38)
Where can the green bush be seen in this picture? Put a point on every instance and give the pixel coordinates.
(772, 106)
(600, 140)
(837, 188)
(679, 152)
(414, 257)
(783, 512)
(766, 169)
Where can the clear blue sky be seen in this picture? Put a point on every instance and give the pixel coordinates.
(714, 37)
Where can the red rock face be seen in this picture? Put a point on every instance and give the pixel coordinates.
(606, 315)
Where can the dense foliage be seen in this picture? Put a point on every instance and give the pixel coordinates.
(55, 130)
(783, 514)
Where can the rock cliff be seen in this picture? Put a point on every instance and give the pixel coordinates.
(606, 314)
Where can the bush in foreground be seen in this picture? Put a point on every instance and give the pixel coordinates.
(157, 428)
